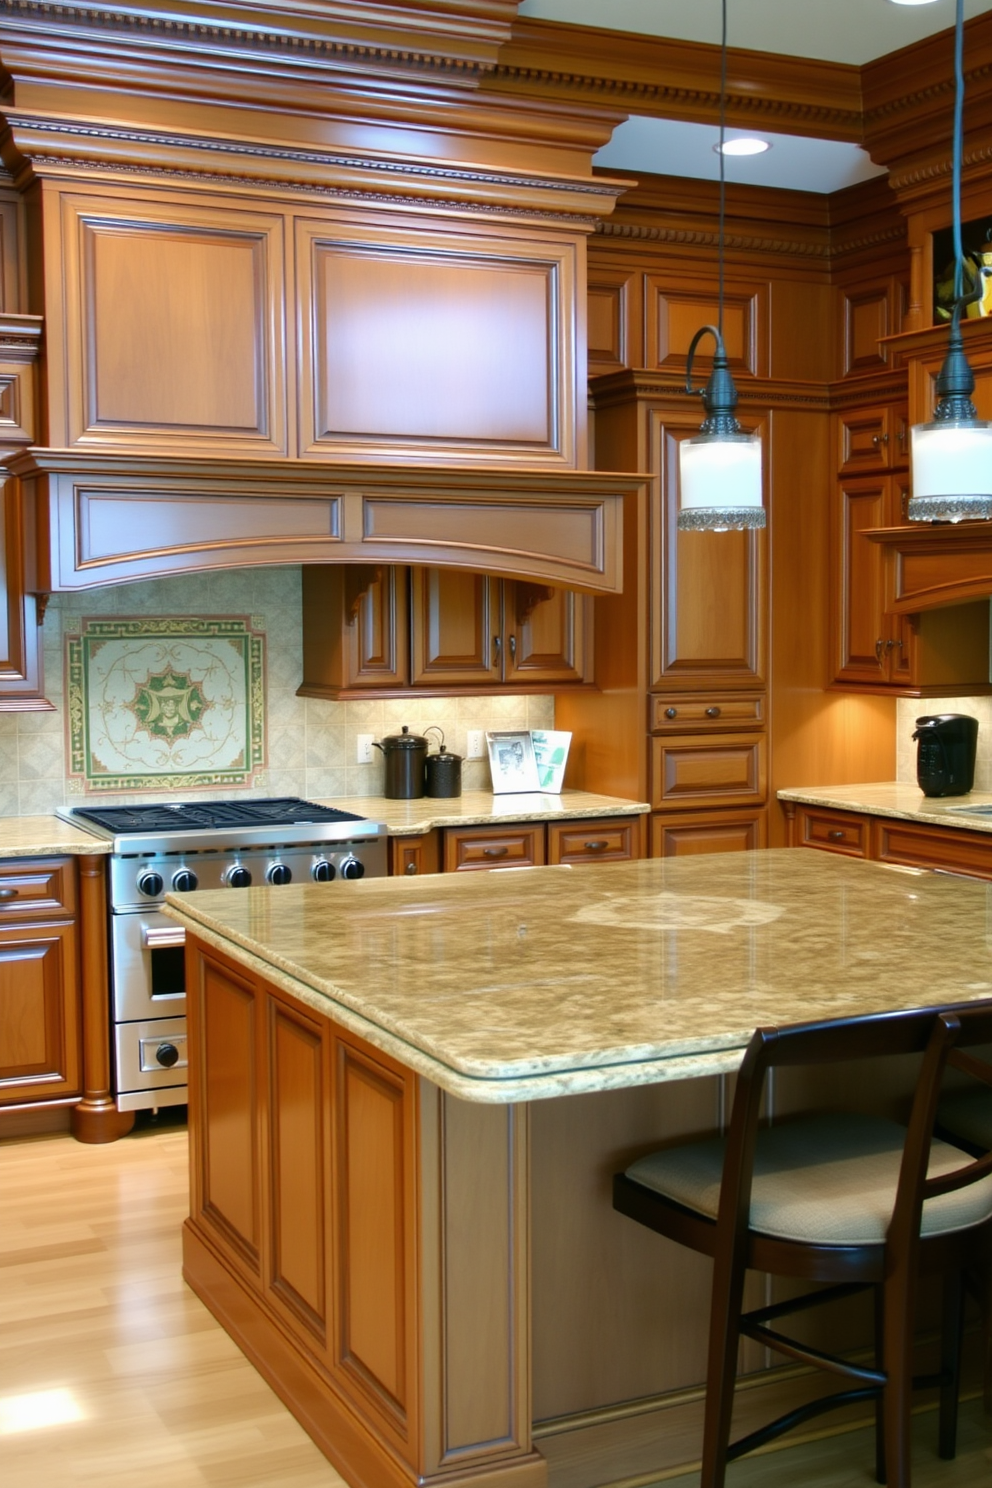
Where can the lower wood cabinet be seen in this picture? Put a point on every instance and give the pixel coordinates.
(674, 836)
(709, 770)
(39, 982)
(519, 845)
(890, 840)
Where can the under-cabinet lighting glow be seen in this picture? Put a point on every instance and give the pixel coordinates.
(39, 1410)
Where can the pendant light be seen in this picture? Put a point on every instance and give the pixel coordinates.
(720, 467)
(951, 457)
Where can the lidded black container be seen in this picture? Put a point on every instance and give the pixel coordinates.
(404, 754)
(945, 753)
(443, 770)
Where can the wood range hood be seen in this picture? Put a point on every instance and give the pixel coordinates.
(299, 289)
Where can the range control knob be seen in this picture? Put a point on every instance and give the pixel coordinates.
(167, 1055)
(150, 883)
(322, 871)
(279, 873)
(352, 868)
(183, 880)
(238, 877)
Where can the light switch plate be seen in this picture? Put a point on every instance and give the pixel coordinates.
(475, 744)
(363, 753)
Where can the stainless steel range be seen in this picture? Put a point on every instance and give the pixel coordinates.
(181, 847)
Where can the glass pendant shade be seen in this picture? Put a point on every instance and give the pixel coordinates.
(952, 470)
(720, 482)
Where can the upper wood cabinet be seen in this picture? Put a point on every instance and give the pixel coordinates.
(709, 591)
(378, 631)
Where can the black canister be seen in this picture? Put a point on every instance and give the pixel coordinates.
(945, 753)
(404, 754)
(444, 774)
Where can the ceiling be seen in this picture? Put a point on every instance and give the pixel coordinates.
(851, 31)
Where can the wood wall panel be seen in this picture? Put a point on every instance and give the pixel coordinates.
(229, 1096)
(297, 1109)
(675, 311)
(375, 1305)
(867, 318)
(615, 320)
(436, 346)
(173, 325)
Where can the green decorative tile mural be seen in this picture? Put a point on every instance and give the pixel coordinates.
(165, 702)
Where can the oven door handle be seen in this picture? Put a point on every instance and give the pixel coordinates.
(158, 938)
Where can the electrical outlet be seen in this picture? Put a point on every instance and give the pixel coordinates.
(363, 754)
(475, 747)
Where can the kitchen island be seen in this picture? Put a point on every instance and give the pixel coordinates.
(406, 1107)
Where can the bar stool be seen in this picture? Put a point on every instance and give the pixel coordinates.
(965, 1117)
(848, 1200)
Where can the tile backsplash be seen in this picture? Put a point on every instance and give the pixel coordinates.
(908, 710)
(310, 744)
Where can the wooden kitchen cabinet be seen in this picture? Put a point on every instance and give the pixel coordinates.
(416, 854)
(519, 845)
(39, 982)
(380, 631)
(512, 846)
(709, 771)
(677, 836)
(887, 839)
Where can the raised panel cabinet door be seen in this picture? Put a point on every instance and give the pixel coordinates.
(708, 832)
(39, 1013)
(872, 439)
(174, 324)
(834, 831)
(456, 627)
(547, 634)
(436, 344)
(708, 590)
(356, 629)
(860, 626)
(412, 855)
(469, 848)
(21, 681)
(599, 840)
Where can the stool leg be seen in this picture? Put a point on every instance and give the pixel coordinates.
(952, 1326)
(721, 1370)
(879, 1299)
(899, 1298)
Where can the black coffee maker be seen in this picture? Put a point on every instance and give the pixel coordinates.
(945, 753)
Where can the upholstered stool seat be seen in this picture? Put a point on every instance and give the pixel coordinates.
(825, 1180)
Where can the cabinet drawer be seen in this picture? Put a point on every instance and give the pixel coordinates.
(929, 847)
(601, 841)
(707, 832)
(499, 847)
(32, 887)
(671, 714)
(836, 831)
(729, 771)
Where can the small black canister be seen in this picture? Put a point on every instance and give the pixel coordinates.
(404, 754)
(444, 774)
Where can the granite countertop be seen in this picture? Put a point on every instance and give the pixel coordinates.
(891, 798)
(479, 808)
(45, 837)
(536, 982)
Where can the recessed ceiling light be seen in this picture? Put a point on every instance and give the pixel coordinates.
(746, 144)
(914, 2)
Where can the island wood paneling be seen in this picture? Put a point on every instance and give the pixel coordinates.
(173, 325)
(229, 1173)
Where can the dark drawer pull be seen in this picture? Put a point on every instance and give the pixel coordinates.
(8, 893)
(713, 712)
(837, 835)
(671, 712)
(598, 846)
(495, 852)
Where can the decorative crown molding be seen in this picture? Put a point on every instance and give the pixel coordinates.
(699, 238)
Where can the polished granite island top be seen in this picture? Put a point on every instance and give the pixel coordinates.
(520, 984)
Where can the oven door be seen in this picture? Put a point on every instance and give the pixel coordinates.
(149, 973)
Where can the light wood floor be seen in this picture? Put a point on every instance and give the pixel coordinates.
(97, 1325)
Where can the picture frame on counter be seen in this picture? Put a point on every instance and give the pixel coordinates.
(551, 756)
(512, 764)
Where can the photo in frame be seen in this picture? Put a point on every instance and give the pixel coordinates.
(551, 757)
(511, 761)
